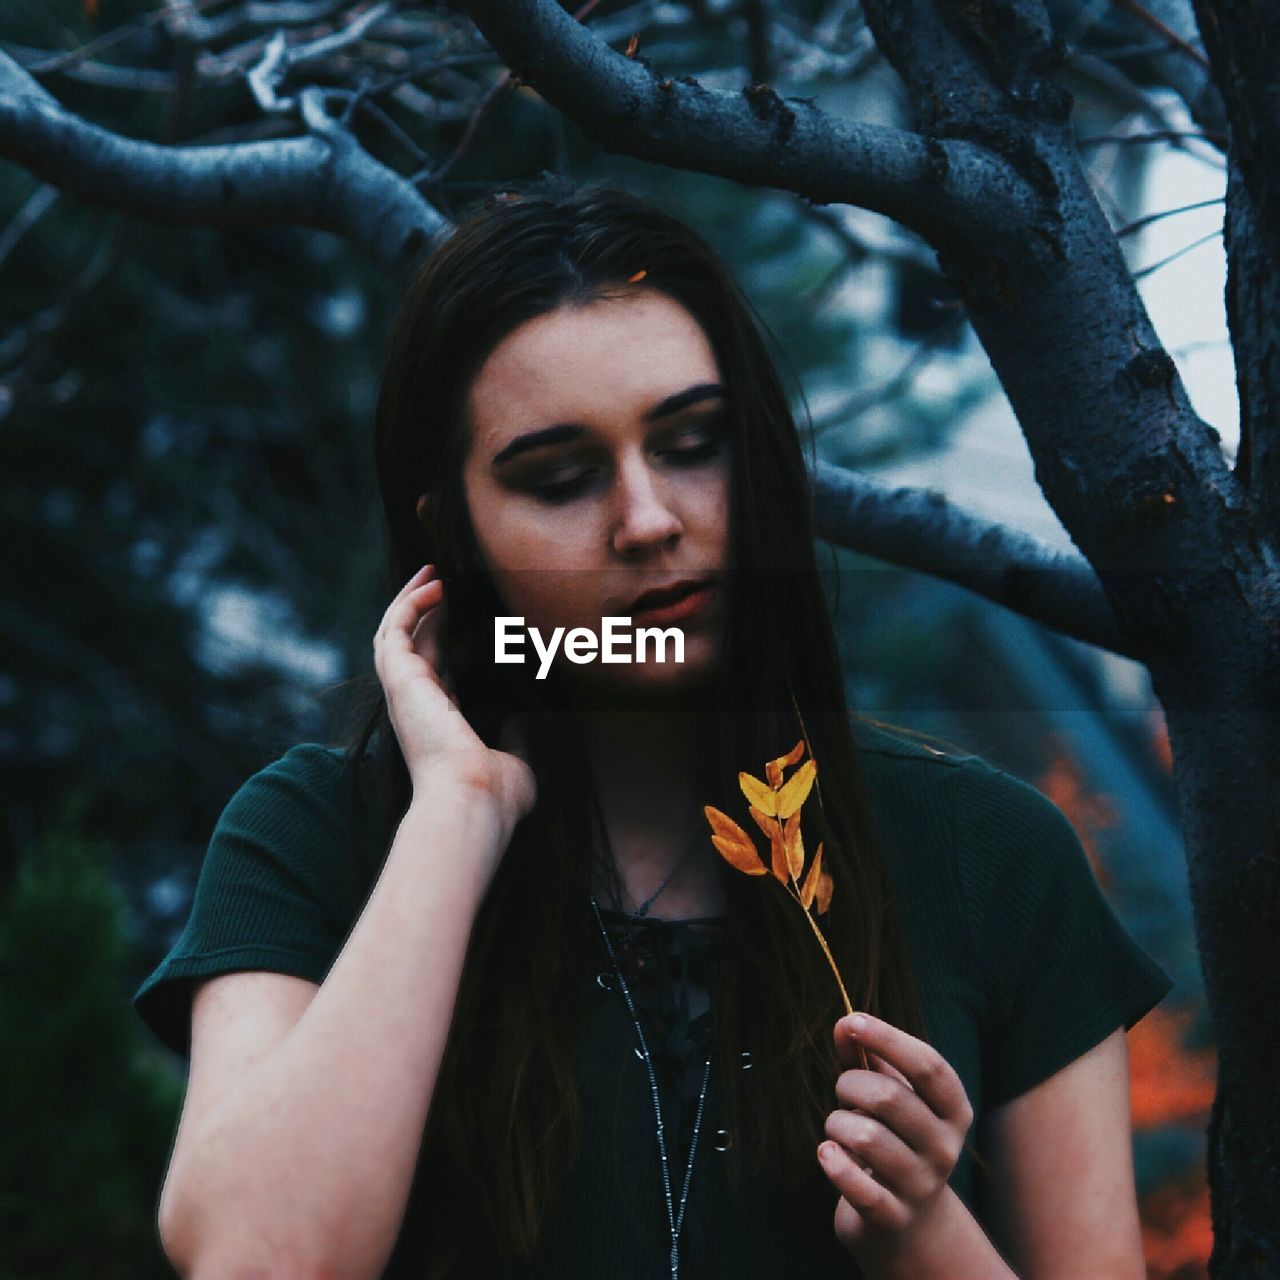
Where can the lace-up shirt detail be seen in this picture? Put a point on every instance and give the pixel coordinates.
(671, 969)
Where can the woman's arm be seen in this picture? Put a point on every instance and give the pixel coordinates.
(1061, 1154)
(300, 1164)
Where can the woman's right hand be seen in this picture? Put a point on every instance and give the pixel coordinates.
(432, 732)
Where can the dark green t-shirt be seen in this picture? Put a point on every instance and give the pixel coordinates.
(1021, 964)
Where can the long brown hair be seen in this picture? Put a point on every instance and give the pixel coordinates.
(505, 1121)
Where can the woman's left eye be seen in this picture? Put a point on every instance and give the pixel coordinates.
(695, 452)
(707, 448)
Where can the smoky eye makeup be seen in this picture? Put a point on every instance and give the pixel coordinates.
(572, 467)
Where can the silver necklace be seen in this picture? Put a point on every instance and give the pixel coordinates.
(675, 1217)
(643, 909)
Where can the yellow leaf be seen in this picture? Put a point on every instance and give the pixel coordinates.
(773, 770)
(764, 798)
(810, 886)
(777, 851)
(796, 791)
(736, 847)
(793, 843)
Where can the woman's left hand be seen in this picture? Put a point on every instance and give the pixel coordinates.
(895, 1141)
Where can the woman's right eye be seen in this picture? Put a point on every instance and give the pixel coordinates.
(560, 491)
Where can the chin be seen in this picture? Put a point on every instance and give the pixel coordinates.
(650, 678)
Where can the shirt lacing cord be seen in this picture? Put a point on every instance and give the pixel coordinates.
(670, 968)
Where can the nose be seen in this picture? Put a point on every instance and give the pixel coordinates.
(644, 517)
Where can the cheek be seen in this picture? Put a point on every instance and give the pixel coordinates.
(716, 512)
(542, 574)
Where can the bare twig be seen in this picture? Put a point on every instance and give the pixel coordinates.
(26, 217)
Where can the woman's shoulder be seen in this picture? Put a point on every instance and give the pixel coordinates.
(906, 775)
(308, 761)
(879, 740)
(990, 842)
(309, 772)
(944, 810)
(923, 765)
(294, 815)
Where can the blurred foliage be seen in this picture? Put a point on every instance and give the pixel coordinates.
(98, 1105)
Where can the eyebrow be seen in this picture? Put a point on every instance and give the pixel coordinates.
(563, 431)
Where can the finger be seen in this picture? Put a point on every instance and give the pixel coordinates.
(925, 1069)
(396, 631)
(405, 613)
(874, 1202)
(883, 1152)
(849, 1226)
(888, 1069)
(422, 576)
(897, 1106)
(428, 635)
(406, 602)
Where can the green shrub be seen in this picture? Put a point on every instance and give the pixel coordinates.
(91, 1107)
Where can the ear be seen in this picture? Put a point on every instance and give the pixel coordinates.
(426, 512)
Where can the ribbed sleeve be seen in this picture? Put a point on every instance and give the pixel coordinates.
(272, 892)
(1059, 969)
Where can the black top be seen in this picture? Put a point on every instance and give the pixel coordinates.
(1021, 963)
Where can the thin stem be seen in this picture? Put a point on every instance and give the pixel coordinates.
(826, 951)
(848, 1008)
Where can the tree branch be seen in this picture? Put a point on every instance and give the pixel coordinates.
(920, 529)
(323, 180)
(946, 191)
(1242, 41)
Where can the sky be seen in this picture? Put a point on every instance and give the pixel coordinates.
(986, 467)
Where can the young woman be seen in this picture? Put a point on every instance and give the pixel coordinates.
(476, 996)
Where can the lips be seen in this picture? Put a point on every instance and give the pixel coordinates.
(658, 596)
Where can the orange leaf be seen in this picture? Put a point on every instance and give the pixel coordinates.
(793, 843)
(722, 824)
(777, 850)
(796, 791)
(826, 887)
(740, 857)
(811, 881)
(764, 798)
(736, 847)
(773, 770)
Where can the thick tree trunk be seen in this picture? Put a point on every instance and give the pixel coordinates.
(1183, 547)
(1224, 727)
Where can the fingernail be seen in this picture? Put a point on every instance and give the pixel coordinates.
(858, 1023)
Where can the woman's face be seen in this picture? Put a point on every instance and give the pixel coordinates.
(597, 469)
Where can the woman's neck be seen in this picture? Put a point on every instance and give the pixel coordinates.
(649, 765)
